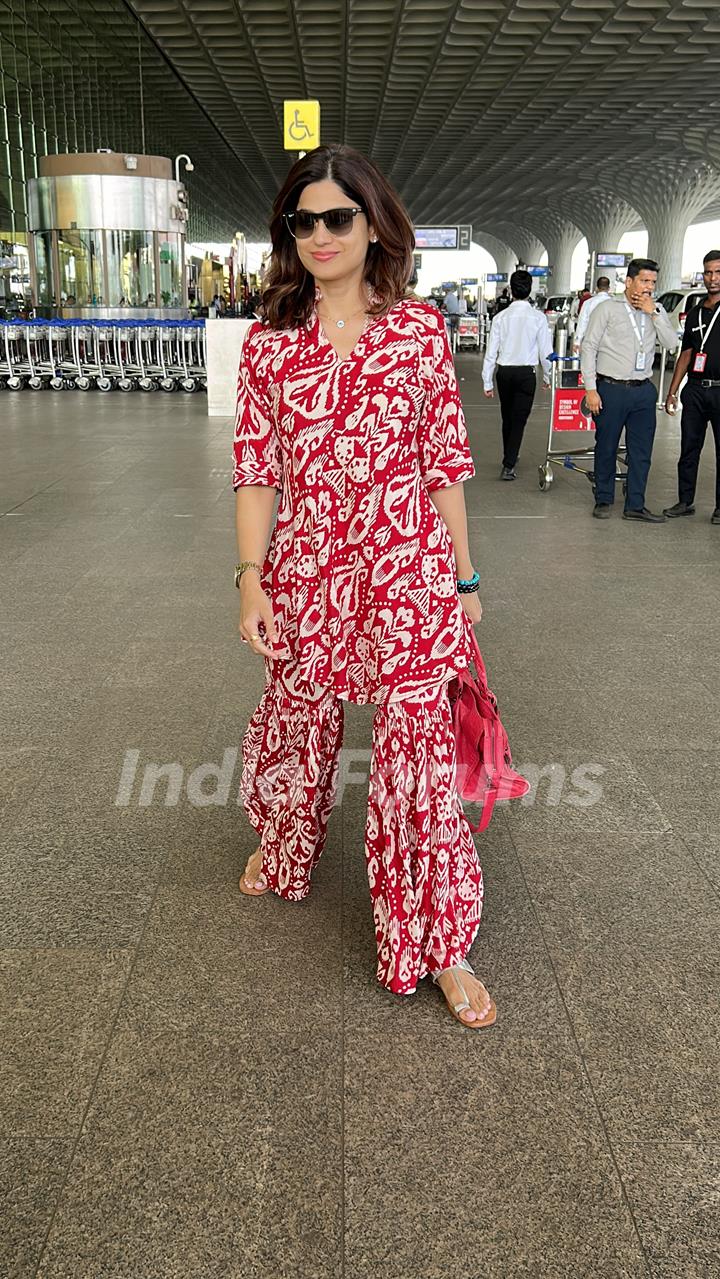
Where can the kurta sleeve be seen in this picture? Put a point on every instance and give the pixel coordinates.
(257, 457)
(443, 446)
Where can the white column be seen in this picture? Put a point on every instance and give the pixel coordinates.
(675, 195)
(561, 242)
(505, 257)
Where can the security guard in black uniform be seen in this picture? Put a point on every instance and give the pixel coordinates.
(700, 359)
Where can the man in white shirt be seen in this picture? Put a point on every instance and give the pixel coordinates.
(519, 340)
(602, 295)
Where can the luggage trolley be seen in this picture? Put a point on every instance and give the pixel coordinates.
(468, 331)
(567, 396)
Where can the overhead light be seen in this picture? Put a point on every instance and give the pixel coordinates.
(131, 162)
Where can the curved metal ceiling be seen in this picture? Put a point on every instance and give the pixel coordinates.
(551, 117)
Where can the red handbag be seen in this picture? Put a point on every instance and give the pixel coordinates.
(484, 771)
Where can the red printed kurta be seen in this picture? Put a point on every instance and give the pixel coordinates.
(360, 568)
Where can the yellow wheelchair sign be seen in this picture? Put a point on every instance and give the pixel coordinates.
(302, 125)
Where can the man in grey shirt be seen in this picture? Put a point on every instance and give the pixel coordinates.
(617, 357)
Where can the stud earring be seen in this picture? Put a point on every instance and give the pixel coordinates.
(373, 239)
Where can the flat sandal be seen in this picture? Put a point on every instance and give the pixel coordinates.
(247, 888)
(480, 1023)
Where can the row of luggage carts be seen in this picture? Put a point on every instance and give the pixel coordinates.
(126, 355)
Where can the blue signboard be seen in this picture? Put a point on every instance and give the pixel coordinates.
(537, 270)
(497, 277)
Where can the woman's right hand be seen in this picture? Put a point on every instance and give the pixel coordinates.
(255, 611)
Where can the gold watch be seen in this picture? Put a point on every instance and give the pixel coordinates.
(240, 569)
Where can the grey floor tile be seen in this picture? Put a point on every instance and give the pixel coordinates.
(57, 1009)
(523, 1182)
(705, 850)
(672, 1189)
(86, 892)
(632, 927)
(586, 791)
(207, 1155)
(88, 792)
(211, 958)
(19, 772)
(32, 1171)
(684, 782)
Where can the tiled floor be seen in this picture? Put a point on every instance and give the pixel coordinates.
(201, 1086)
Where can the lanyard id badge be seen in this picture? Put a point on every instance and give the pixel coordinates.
(640, 355)
(701, 356)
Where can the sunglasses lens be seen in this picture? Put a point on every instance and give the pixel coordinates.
(339, 221)
(304, 225)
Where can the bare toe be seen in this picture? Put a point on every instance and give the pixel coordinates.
(253, 881)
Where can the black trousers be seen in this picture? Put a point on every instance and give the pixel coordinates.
(516, 389)
(700, 405)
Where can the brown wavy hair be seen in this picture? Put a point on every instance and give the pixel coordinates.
(289, 291)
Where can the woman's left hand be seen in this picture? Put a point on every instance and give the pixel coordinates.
(473, 607)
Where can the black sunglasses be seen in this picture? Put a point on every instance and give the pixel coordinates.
(302, 223)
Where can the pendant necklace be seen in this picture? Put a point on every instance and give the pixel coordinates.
(340, 324)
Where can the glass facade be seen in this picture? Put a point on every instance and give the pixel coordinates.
(79, 75)
(81, 269)
(42, 244)
(131, 268)
(170, 270)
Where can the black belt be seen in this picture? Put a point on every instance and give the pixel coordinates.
(623, 381)
(704, 381)
(530, 367)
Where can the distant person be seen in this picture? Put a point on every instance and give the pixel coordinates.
(451, 306)
(463, 304)
(602, 295)
(700, 360)
(503, 302)
(519, 339)
(617, 357)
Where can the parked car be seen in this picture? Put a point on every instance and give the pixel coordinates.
(677, 303)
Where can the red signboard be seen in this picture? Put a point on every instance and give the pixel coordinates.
(567, 411)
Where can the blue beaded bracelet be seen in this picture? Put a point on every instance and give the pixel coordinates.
(468, 585)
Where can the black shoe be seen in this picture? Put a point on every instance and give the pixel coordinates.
(508, 473)
(680, 508)
(601, 511)
(645, 515)
(715, 517)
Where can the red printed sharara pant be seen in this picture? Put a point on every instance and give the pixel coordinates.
(425, 879)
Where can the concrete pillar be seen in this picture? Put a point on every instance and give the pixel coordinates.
(529, 248)
(505, 257)
(605, 222)
(561, 241)
(674, 196)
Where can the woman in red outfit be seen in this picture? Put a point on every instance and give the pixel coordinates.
(348, 405)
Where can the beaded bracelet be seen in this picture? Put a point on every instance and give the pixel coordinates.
(467, 585)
